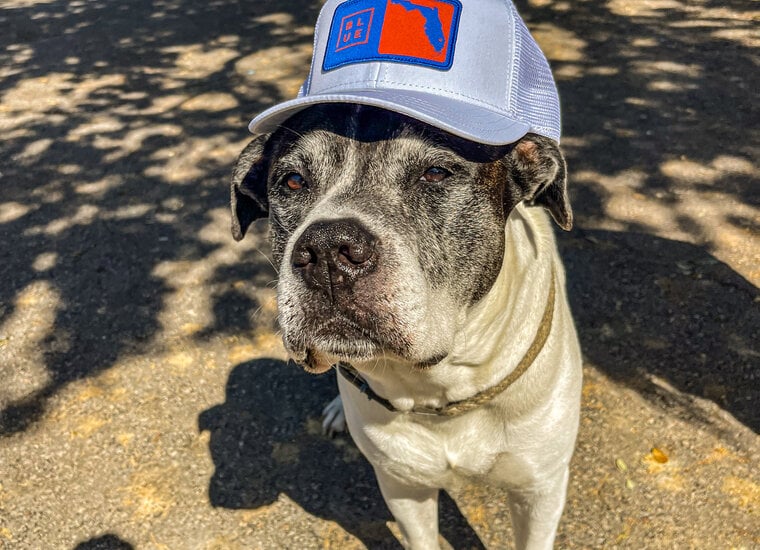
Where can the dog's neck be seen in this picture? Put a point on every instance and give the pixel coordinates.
(494, 334)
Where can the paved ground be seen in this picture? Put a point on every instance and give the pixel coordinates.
(144, 401)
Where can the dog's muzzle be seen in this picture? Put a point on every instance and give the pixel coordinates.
(331, 256)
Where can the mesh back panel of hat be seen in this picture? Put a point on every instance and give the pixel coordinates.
(533, 97)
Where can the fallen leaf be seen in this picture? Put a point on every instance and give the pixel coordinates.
(659, 456)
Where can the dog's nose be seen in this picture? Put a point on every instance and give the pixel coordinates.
(335, 253)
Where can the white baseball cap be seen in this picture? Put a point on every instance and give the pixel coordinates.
(471, 68)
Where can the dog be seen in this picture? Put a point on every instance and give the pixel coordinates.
(411, 254)
(416, 255)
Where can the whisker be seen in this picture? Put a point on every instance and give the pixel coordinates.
(268, 259)
(289, 129)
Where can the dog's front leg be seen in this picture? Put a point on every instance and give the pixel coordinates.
(536, 512)
(415, 510)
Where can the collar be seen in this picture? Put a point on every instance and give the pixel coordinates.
(462, 406)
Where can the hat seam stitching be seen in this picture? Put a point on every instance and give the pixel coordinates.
(515, 49)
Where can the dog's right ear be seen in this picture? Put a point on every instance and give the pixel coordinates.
(540, 174)
(248, 190)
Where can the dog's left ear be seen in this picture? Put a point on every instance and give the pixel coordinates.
(539, 171)
(248, 189)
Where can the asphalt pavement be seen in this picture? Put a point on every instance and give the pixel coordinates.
(145, 400)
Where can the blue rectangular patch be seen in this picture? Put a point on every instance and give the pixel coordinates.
(417, 32)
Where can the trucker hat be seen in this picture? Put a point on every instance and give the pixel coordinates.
(470, 68)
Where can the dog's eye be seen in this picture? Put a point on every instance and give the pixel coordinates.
(295, 181)
(435, 174)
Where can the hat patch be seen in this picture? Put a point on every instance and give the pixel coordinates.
(416, 32)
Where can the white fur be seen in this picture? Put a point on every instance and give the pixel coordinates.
(522, 441)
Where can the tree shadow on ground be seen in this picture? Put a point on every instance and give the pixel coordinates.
(117, 138)
(656, 100)
(668, 319)
(659, 126)
(263, 443)
(119, 123)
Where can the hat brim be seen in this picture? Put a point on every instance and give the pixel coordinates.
(466, 120)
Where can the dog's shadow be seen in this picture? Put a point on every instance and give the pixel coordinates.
(266, 440)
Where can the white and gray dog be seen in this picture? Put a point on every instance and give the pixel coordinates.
(416, 256)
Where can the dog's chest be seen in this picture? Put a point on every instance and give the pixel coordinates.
(445, 453)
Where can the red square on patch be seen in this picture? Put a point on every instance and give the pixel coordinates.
(420, 29)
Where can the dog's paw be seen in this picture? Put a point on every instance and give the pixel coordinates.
(334, 420)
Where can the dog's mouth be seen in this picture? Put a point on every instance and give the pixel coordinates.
(316, 361)
(327, 342)
(319, 362)
(318, 337)
(321, 353)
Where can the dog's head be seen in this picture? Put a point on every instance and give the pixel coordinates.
(385, 230)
